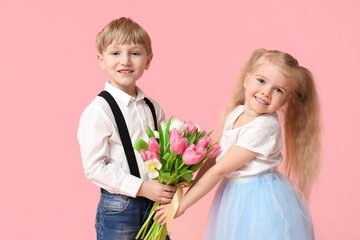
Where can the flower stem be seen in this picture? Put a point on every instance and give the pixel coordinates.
(146, 224)
(150, 231)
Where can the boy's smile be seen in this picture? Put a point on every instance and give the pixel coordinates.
(125, 64)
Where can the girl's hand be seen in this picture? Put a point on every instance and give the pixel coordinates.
(161, 213)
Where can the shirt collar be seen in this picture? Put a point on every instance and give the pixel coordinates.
(122, 96)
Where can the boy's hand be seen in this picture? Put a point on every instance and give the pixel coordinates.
(161, 213)
(156, 191)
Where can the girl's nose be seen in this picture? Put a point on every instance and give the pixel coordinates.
(266, 92)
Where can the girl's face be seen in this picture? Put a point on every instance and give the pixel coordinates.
(266, 90)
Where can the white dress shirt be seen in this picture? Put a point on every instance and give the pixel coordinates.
(262, 135)
(102, 152)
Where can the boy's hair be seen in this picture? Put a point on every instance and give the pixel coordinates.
(122, 31)
(301, 114)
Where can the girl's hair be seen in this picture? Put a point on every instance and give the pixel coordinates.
(301, 115)
(123, 31)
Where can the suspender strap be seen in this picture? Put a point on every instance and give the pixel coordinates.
(124, 132)
(151, 106)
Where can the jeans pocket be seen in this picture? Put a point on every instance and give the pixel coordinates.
(114, 204)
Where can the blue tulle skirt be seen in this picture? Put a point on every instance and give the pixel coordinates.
(266, 206)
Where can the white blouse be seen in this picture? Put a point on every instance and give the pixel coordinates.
(262, 135)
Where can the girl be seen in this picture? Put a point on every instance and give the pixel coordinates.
(254, 201)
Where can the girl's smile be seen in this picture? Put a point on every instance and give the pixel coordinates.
(266, 90)
(261, 100)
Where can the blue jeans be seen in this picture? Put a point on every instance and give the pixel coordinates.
(120, 217)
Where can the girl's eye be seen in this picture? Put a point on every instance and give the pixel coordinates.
(278, 90)
(115, 53)
(135, 53)
(261, 81)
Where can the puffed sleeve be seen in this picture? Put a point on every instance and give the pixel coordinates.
(259, 140)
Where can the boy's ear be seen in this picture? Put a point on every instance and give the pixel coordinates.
(148, 61)
(101, 62)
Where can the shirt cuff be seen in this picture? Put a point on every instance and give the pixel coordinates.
(132, 185)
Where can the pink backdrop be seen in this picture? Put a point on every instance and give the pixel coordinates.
(49, 73)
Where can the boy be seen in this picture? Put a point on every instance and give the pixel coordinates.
(124, 52)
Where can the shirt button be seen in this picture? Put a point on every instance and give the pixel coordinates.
(144, 124)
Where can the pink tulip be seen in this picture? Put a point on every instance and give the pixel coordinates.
(193, 155)
(153, 145)
(190, 127)
(147, 155)
(204, 142)
(174, 134)
(178, 145)
(214, 151)
(144, 155)
(153, 156)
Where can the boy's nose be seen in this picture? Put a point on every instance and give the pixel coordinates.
(125, 61)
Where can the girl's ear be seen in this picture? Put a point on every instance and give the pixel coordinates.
(287, 99)
(247, 76)
(101, 62)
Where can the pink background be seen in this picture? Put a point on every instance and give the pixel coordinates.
(49, 73)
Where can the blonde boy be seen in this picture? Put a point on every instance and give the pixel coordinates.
(124, 52)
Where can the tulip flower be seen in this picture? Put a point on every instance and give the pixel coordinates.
(193, 155)
(156, 134)
(214, 151)
(151, 166)
(163, 126)
(153, 145)
(144, 155)
(178, 144)
(190, 127)
(147, 155)
(174, 134)
(204, 142)
(176, 123)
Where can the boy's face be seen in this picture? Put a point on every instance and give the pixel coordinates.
(124, 64)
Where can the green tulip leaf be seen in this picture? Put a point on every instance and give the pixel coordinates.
(191, 139)
(188, 176)
(162, 138)
(149, 132)
(165, 176)
(140, 145)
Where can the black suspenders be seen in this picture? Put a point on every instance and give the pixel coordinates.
(124, 132)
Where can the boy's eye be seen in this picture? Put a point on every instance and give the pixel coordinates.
(261, 80)
(278, 90)
(115, 53)
(135, 53)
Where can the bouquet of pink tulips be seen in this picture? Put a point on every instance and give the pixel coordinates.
(172, 155)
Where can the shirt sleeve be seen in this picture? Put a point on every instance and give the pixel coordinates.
(94, 131)
(257, 139)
